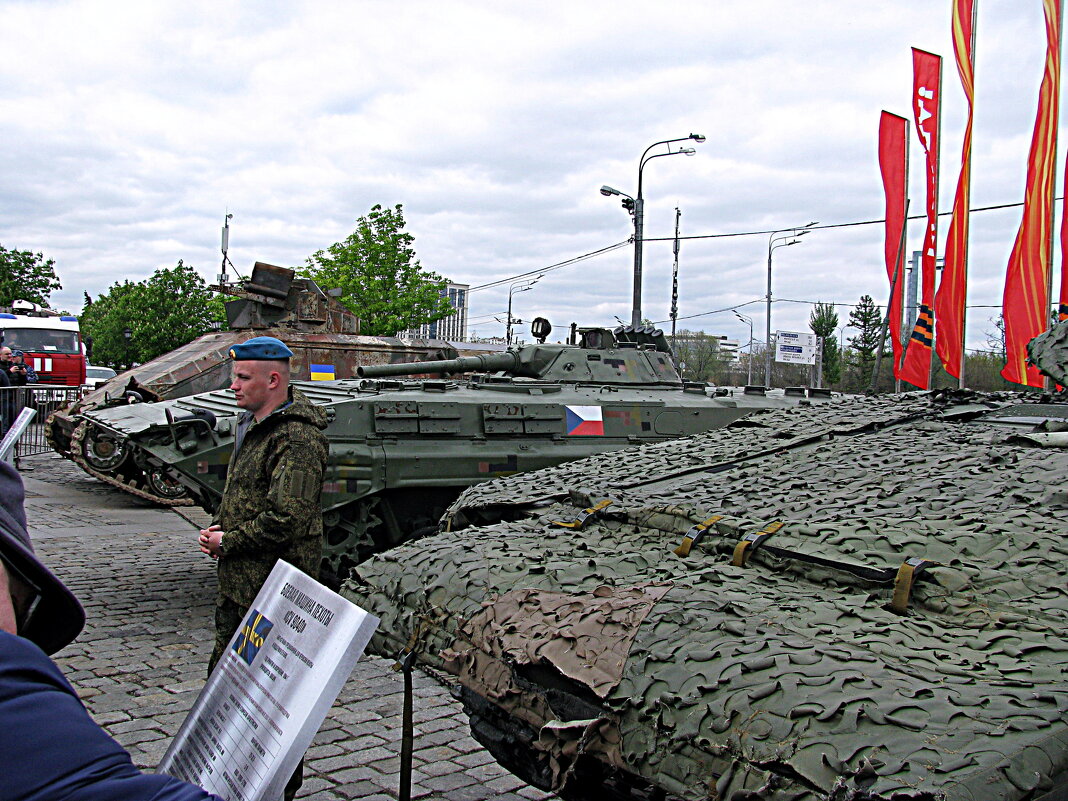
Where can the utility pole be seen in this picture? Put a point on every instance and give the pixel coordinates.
(675, 280)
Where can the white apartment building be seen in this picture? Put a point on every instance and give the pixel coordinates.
(452, 328)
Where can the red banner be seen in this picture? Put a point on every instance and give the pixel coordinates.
(893, 164)
(952, 289)
(926, 108)
(1026, 299)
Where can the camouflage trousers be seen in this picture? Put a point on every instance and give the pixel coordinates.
(228, 616)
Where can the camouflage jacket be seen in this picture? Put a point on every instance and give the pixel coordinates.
(271, 506)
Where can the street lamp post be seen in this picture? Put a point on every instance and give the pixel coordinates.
(127, 335)
(778, 239)
(748, 320)
(636, 206)
(519, 286)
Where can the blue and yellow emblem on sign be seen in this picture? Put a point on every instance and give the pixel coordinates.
(322, 372)
(252, 635)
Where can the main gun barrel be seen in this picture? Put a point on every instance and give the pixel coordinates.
(483, 363)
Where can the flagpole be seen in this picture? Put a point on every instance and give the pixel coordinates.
(968, 208)
(899, 262)
(934, 362)
(1048, 384)
(901, 255)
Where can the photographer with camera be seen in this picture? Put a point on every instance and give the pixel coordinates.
(20, 372)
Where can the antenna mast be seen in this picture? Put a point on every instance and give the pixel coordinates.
(225, 249)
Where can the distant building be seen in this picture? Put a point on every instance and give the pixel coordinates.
(452, 328)
(729, 345)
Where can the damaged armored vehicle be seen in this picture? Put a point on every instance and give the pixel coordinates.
(861, 600)
(322, 333)
(402, 449)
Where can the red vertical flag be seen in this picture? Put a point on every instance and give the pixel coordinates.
(893, 164)
(926, 107)
(952, 289)
(1026, 299)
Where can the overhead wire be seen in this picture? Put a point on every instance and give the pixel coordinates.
(608, 249)
(557, 266)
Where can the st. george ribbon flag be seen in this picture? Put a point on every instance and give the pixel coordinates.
(926, 107)
(1026, 298)
(953, 287)
(893, 164)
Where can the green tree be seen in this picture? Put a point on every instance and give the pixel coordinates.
(867, 318)
(164, 312)
(824, 322)
(381, 280)
(26, 276)
(702, 355)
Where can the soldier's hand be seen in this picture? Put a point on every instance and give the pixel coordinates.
(211, 541)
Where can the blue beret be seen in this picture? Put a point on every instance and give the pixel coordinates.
(260, 349)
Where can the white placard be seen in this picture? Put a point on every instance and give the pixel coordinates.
(11, 438)
(267, 697)
(795, 347)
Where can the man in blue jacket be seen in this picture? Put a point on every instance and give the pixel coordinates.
(49, 746)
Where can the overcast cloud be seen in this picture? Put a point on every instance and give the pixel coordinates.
(129, 129)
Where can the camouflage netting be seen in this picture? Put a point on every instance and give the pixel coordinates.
(1049, 351)
(769, 662)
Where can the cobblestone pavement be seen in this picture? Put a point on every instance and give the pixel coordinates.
(148, 594)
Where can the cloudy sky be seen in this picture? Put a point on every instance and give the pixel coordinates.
(129, 129)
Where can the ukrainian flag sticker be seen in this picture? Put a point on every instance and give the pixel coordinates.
(322, 372)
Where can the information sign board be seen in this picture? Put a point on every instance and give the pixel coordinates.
(267, 697)
(795, 347)
(13, 434)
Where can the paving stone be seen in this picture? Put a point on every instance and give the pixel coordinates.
(324, 751)
(439, 768)
(313, 785)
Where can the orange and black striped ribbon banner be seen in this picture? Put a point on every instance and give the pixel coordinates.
(926, 108)
(893, 164)
(952, 288)
(1026, 298)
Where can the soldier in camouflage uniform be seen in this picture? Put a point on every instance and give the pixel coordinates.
(270, 508)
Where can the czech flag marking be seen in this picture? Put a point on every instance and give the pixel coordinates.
(584, 421)
(322, 372)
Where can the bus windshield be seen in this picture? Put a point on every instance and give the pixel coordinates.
(42, 340)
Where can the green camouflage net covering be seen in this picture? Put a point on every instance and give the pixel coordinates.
(879, 611)
(1049, 352)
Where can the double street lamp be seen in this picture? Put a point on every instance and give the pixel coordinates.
(779, 239)
(748, 320)
(636, 206)
(518, 286)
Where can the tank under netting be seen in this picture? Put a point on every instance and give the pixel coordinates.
(1049, 352)
(866, 600)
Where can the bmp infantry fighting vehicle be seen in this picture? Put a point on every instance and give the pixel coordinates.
(866, 600)
(402, 450)
(323, 335)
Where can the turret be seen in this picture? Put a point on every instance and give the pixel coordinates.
(624, 356)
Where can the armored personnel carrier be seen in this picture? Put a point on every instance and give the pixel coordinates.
(322, 333)
(864, 600)
(402, 449)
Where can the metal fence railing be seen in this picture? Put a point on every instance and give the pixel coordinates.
(43, 399)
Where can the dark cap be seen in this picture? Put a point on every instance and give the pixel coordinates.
(259, 349)
(58, 616)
